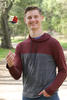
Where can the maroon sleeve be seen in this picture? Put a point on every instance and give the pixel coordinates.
(16, 70)
(62, 68)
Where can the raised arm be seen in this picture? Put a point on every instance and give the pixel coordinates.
(14, 63)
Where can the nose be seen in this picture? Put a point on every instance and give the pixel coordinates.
(32, 19)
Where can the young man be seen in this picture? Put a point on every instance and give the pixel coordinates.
(37, 58)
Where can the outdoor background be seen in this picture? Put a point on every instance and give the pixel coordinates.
(55, 23)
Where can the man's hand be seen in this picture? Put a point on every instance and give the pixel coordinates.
(44, 93)
(10, 59)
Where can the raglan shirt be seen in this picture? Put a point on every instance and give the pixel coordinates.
(38, 59)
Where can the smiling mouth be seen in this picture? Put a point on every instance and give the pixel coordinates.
(33, 24)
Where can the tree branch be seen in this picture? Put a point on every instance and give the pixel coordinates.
(10, 6)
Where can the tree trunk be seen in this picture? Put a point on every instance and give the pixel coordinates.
(6, 32)
(6, 35)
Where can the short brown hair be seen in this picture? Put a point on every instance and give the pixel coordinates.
(33, 8)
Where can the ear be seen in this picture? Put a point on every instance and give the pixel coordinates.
(42, 17)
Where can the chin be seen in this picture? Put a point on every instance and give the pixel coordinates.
(34, 28)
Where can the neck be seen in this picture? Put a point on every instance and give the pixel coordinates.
(37, 33)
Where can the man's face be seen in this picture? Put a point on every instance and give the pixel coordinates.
(33, 20)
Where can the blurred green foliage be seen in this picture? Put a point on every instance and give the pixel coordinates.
(54, 11)
(4, 52)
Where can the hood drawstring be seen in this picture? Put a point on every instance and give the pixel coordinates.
(35, 53)
(31, 55)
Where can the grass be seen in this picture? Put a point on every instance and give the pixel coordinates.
(4, 53)
(64, 45)
(17, 41)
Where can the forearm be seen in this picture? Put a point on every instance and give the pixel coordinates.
(57, 82)
(15, 73)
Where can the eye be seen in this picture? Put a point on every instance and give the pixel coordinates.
(29, 17)
(35, 16)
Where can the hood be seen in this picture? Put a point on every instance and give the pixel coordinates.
(44, 37)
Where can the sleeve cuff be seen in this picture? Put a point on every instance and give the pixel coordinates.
(8, 66)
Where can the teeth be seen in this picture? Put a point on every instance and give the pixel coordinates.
(33, 24)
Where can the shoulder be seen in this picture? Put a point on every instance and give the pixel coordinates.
(55, 45)
(54, 42)
(21, 44)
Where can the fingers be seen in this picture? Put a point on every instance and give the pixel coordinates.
(10, 52)
(40, 93)
(10, 58)
(10, 55)
(44, 93)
